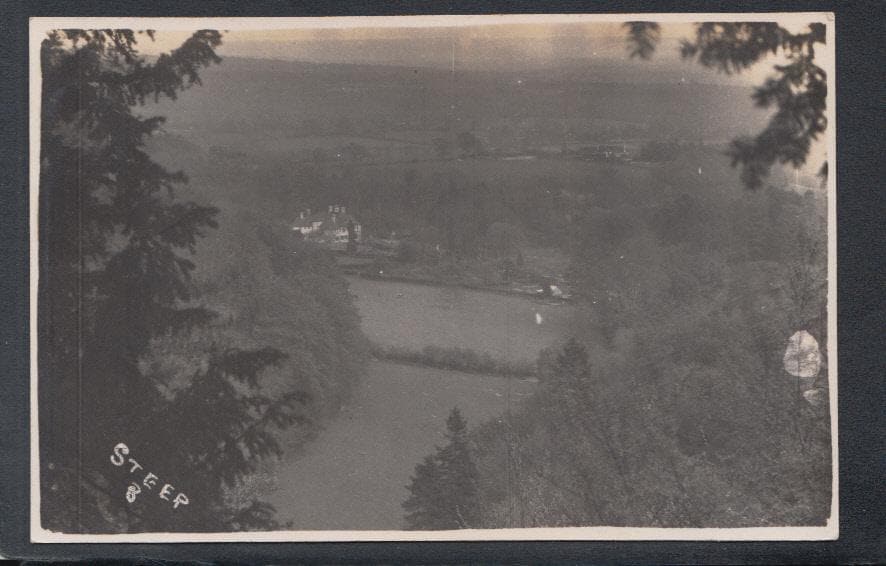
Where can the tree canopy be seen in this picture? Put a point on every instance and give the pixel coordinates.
(797, 90)
(117, 251)
(443, 490)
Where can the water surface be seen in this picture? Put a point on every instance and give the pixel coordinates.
(409, 315)
(354, 475)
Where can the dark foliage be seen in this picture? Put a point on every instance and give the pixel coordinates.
(642, 37)
(674, 408)
(462, 214)
(797, 90)
(115, 273)
(443, 490)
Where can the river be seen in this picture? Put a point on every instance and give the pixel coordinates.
(353, 476)
(409, 315)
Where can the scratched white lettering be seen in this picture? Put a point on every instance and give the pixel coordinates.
(167, 490)
(132, 492)
(119, 451)
(150, 480)
(180, 499)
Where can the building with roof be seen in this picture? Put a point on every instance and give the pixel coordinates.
(334, 225)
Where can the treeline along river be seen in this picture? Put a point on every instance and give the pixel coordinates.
(354, 475)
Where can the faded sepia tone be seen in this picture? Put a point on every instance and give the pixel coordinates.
(434, 278)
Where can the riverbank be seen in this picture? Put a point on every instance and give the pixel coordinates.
(442, 347)
(527, 292)
(531, 281)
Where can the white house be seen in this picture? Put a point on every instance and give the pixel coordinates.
(333, 225)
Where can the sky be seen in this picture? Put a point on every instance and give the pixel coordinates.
(507, 41)
(473, 46)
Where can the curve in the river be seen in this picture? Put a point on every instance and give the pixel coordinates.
(354, 475)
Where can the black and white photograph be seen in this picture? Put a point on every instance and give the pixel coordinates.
(490, 277)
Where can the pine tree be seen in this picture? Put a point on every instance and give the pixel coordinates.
(567, 378)
(443, 490)
(572, 362)
(113, 276)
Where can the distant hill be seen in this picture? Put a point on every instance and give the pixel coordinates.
(307, 99)
(275, 135)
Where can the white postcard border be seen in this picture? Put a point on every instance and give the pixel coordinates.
(38, 28)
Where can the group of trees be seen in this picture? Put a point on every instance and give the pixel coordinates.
(443, 490)
(797, 90)
(129, 350)
(685, 415)
(673, 406)
(694, 298)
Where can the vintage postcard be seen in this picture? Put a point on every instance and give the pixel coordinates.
(535, 277)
